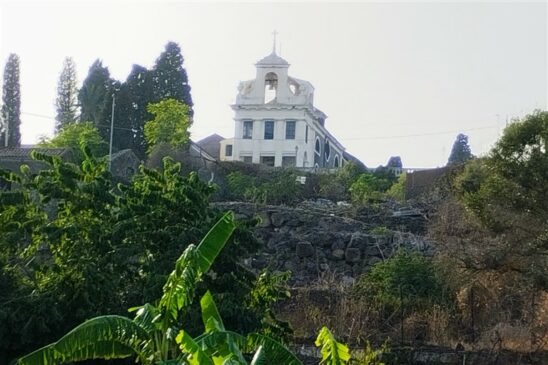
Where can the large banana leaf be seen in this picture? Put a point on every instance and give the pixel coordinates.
(275, 352)
(181, 283)
(105, 337)
(215, 240)
(333, 352)
(195, 355)
(210, 314)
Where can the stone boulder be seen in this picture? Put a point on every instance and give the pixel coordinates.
(305, 249)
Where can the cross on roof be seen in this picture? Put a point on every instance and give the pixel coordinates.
(274, 34)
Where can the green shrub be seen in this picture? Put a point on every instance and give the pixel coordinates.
(406, 276)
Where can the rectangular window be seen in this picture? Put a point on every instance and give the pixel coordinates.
(267, 160)
(247, 159)
(269, 129)
(248, 129)
(290, 129)
(228, 150)
(306, 135)
(289, 161)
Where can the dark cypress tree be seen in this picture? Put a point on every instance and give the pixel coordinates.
(67, 93)
(131, 113)
(11, 103)
(460, 152)
(95, 98)
(169, 77)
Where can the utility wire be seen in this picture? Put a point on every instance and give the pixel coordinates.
(419, 134)
(52, 118)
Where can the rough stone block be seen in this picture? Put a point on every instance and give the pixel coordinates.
(264, 220)
(305, 249)
(352, 255)
(277, 219)
(338, 254)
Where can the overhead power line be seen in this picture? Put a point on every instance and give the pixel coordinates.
(418, 134)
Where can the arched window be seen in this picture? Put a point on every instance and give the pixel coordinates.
(336, 162)
(270, 87)
(327, 150)
(317, 146)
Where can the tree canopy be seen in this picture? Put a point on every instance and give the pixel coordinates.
(170, 124)
(73, 245)
(11, 103)
(460, 152)
(66, 102)
(78, 136)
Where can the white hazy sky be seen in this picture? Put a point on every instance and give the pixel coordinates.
(395, 78)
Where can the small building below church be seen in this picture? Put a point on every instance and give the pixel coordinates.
(277, 124)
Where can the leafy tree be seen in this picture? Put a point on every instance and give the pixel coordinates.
(77, 137)
(11, 99)
(170, 124)
(95, 98)
(151, 336)
(67, 93)
(169, 77)
(76, 246)
(460, 152)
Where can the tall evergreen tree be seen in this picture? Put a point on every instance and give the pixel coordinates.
(11, 103)
(95, 98)
(461, 151)
(67, 92)
(170, 80)
(131, 113)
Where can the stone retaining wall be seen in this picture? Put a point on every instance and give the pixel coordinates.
(310, 243)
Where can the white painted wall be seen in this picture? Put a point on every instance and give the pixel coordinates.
(288, 106)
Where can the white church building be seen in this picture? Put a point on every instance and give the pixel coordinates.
(276, 123)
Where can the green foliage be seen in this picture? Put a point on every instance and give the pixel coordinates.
(155, 336)
(405, 276)
(460, 152)
(278, 187)
(77, 137)
(397, 190)
(267, 291)
(169, 78)
(95, 98)
(368, 188)
(333, 352)
(66, 102)
(170, 124)
(131, 112)
(11, 103)
(370, 355)
(380, 231)
(75, 245)
(505, 193)
(336, 186)
(148, 339)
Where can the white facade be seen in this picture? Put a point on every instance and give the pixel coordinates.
(277, 124)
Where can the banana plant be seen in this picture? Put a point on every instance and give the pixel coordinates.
(150, 335)
(333, 352)
(218, 346)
